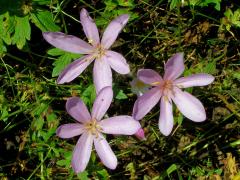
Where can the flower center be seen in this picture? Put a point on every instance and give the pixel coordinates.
(93, 127)
(167, 87)
(100, 51)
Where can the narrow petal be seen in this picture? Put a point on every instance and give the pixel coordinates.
(120, 125)
(105, 152)
(102, 103)
(69, 130)
(67, 43)
(74, 69)
(82, 152)
(166, 116)
(174, 67)
(102, 74)
(117, 62)
(149, 76)
(77, 109)
(146, 102)
(89, 27)
(194, 80)
(113, 29)
(189, 106)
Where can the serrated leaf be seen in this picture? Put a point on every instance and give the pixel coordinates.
(89, 95)
(103, 174)
(44, 20)
(83, 175)
(62, 62)
(55, 52)
(22, 31)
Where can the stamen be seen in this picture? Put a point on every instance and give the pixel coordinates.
(93, 127)
(155, 83)
(90, 41)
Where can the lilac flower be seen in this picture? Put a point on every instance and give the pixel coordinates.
(91, 127)
(94, 50)
(168, 89)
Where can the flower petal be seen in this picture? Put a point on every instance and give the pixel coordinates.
(174, 67)
(146, 102)
(77, 109)
(140, 134)
(105, 152)
(117, 62)
(89, 27)
(194, 80)
(69, 130)
(113, 29)
(67, 43)
(74, 69)
(120, 125)
(82, 152)
(149, 76)
(102, 103)
(166, 116)
(189, 106)
(102, 74)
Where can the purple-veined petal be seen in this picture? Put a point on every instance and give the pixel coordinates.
(102, 74)
(77, 109)
(105, 152)
(82, 152)
(74, 69)
(189, 105)
(149, 76)
(117, 62)
(102, 102)
(68, 43)
(89, 27)
(174, 67)
(113, 29)
(194, 80)
(140, 134)
(166, 116)
(146, 102)
(125, 125)
(70, 130)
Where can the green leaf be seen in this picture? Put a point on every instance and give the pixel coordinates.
(171, 169)
(89, 95)
(44, 20)
(103, 174)
(83, 175)
(64, 59)
(60, 64)
(22, 31)
(56, 52)
(174, 4)
(216, 2)
(121, 95)
(210, 68)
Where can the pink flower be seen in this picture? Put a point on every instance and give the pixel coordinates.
(168, 89)
(140, 134)
(91, 127)
(97, 50)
